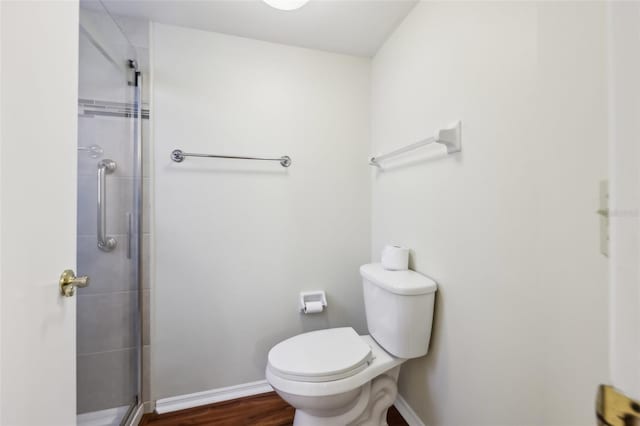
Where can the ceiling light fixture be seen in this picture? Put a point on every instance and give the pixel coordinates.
(286, 4)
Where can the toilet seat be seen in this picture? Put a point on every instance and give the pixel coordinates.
(320, 356)
(380, 363)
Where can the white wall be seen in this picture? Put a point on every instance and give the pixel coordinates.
(624, 61)
(236, 241)
(508, 227)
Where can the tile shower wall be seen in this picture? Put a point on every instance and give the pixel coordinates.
(107, 340)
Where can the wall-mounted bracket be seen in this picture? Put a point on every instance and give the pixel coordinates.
(451, 137)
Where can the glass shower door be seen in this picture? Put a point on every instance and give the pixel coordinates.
(109, 218)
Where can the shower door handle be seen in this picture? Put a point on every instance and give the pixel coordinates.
(129, 234)
(105, 243)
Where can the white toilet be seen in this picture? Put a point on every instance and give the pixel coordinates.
(335, 377)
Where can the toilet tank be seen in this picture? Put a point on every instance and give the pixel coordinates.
(399, 307)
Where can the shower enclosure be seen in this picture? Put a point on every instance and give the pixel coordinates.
(109, 242)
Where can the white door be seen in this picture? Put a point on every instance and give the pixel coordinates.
(624, 206)
(38, 122)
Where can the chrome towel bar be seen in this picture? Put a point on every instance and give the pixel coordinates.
(450, 137)
(178, 156)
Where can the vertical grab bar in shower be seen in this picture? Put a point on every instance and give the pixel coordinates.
(105, 167)
(129, 233)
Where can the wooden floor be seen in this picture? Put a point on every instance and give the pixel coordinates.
(264, 410)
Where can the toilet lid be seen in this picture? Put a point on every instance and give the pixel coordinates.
(320, 356)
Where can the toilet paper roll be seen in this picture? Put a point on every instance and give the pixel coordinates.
(395, 258)
(313, 307)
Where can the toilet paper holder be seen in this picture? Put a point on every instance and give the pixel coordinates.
(312, 296)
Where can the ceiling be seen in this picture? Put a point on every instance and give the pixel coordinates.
(356, 27)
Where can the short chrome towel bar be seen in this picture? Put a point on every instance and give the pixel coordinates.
(450, 137)
(178, 156)
(105, 167)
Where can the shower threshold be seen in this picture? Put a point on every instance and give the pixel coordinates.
(108, 417)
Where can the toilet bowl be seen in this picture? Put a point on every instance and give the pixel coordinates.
(335, 377)
(337, 391)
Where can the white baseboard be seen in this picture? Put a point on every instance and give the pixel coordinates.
(407, 412)
(182, 402)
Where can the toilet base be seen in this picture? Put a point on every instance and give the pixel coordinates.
(369, 408)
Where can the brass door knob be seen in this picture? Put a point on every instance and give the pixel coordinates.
(69, 282)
